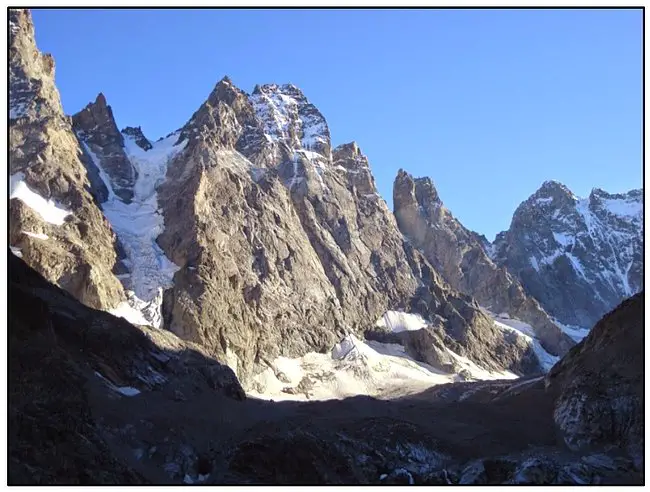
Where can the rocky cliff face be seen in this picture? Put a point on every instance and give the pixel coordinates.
(578, 257)
(55, 224)
(287, 236)
(460, 257)
(599, 384)
(96, 128)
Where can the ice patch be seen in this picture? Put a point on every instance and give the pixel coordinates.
(398, 321)
(49, 210)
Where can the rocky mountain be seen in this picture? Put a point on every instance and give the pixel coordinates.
(54, 221)
(460, 256)
(96, 400)
(276, 229)
(579, 257)
(243, 231)
(162, 295)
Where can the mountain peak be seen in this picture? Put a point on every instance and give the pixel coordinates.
(138, 136)
(417, 191)
(100, 100)
(553, 185)
(96, 121)
(552, 191)
(285, 89)
(350, 149)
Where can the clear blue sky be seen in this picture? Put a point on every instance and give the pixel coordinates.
(488, 103)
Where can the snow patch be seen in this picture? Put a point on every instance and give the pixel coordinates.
(356, 367)
(626, 208)
(577, 266)
(477, 372)
(127, 390)
(102, 174)
(16, 251)
(398, 321)
(129, 313)
(563, 239)
(124, 390)
(36, 235)
(18, 110)
(527, 332)
(49, 210)
(577, 333)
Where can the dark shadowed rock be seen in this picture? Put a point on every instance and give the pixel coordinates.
(599, 384)
(61, 353)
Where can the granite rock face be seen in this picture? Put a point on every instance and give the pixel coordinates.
(578, 257)
(461, 258)
(55, 223)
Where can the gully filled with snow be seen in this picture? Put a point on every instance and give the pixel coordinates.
(137, 225)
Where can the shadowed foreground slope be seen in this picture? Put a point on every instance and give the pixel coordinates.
(93, 399)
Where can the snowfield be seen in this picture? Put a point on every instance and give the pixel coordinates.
(398, 321)
(137, 226)
(360, 367)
